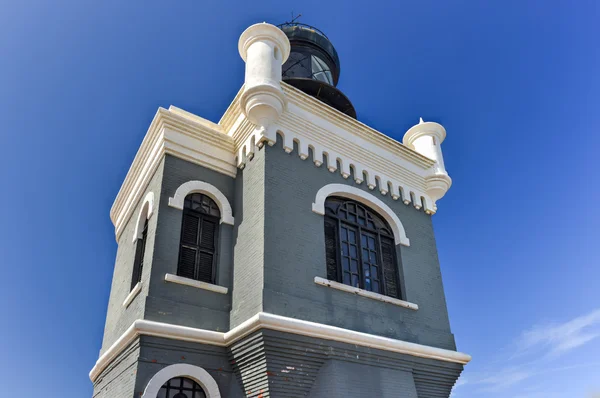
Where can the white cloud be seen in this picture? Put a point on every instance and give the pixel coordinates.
(541, 345)
(556, 339)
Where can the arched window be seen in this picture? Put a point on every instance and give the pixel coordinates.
(181, 387)
(199, 231)
(140, 249)
(360, 248)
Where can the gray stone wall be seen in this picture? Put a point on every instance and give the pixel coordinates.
(339, 379)
(158, 353)
(119, 378)
(119, 318)
(276, 364)
(295, 254)
(178, 304)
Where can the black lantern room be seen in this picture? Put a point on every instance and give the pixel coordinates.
(313, 66)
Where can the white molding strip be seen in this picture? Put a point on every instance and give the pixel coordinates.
(132, 294)
(365, 293)
(196, 373)
(273, 322)
(177, 201)
(194, 283)
(178, 133)
(351, 192)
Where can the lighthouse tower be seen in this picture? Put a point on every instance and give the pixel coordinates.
(285, 251)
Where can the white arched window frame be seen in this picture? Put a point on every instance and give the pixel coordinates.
(145, 213)
(359, 195)
(196, 373)
(177, 201)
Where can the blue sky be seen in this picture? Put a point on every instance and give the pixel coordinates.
(515, 83)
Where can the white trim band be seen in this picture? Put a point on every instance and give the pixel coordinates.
(365, 293)
(196, 373)
(194, 283)
(132, 294)
(273, 322)
(347, 191)
(177, 201)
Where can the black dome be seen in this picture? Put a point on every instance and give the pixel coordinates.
(314, 66)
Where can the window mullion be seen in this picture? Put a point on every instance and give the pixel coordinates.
(381, 276)
(360, 259)
(198, 237)
(338, 251)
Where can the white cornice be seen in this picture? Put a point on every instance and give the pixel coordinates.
(180, 134)
(364, 154)
(264, 320)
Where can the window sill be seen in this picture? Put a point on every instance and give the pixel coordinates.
(365, 293)
(194, 283)
(132, 294)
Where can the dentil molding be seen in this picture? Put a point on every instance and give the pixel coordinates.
(328, 137)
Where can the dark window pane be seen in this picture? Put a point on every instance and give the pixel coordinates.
(187, 262)
(353, 251)
(189, 232)
(181, 387)
(207, 238)
(346, 278)
(375, 286)
(198, 247)
(345, 250)
(371, 242)
(345, 264)
(372, 258)
(205, 267)
(202, 204)
(367, 262)
(351, 236)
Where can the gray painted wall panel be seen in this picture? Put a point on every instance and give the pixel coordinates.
(118, 318)
(352, 380)
(119, 378)
(174, 303)
(295, 254)
(158, 353)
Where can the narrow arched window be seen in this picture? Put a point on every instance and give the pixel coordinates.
(359, 247)
(140, 249)
(199, 230)
(181, 387)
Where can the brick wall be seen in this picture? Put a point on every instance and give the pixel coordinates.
(295, 254)
(119, 318)
(178, 304)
